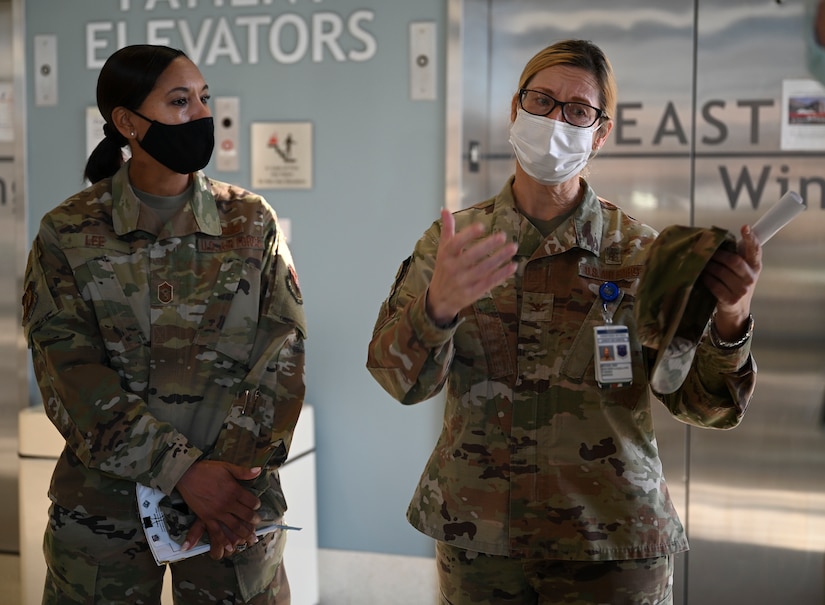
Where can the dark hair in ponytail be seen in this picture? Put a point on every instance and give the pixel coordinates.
(126, 79)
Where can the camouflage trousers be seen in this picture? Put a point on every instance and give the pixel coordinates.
(94, 560)
(467, 577)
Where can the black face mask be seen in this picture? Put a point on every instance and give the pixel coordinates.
(183, 148)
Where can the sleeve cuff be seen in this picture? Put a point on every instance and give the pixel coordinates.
(180, 455)
(429, 333)
(718, 367)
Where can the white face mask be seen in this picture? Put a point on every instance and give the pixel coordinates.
(550, 151)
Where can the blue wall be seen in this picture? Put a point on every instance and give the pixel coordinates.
(378, 183)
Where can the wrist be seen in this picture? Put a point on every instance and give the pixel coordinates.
(440, 319)
(722, 343)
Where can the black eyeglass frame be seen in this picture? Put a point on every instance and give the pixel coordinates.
(600, 114)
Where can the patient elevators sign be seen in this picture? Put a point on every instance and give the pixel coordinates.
(282, 155)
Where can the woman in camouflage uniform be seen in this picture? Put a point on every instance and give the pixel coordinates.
(166, 327)
(546, 486)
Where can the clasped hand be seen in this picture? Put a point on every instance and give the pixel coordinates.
(224, 508)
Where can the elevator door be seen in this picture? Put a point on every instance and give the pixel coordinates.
(11, 375)
(757, 494)
(696, 141)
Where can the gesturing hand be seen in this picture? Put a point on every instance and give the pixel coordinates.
(466, 266)
(225, 509)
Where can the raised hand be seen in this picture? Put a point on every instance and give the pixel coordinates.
(466, 266)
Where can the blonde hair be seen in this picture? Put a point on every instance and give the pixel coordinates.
(576, 53)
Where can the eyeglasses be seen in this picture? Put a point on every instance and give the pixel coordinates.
(541, 104)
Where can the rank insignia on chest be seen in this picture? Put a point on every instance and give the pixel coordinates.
(613, 255)
(165, 293)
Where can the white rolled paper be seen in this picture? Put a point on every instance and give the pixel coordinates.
(779, 215)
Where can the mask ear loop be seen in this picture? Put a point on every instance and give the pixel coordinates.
(593, 152)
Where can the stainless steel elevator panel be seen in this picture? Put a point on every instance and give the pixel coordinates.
(9, 330)
(757, 493)
(696, 141)
(11, 378)
(642, 32)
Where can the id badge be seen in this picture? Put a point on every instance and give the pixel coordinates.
(612, 358)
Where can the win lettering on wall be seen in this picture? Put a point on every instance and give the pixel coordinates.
(237, 32)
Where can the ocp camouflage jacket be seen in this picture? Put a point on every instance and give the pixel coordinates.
(145, 335)
(534, 458)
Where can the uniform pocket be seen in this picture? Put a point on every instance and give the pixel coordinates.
(245, 436)
(231, 317)
(493, 339)
(579, 366)
(255, 567)
(91, 558)
(72, 576)
(124, 321)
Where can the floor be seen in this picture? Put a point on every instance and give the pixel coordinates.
(9, 579)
